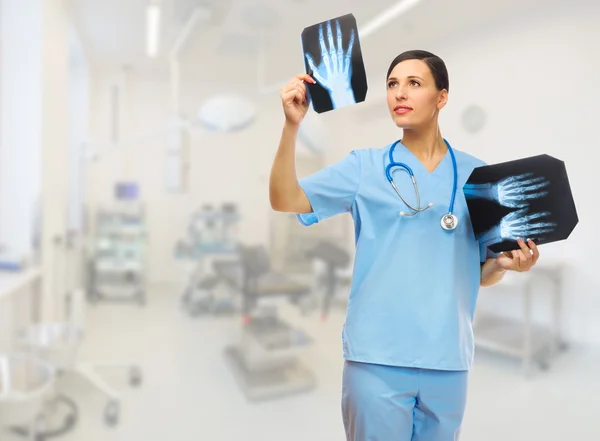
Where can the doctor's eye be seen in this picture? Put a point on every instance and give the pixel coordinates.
(414, 82)
(391, 84)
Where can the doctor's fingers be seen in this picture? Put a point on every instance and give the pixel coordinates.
(523, 262)
(527, 252)
(300, 79)
(294, 85)
(293, 95)
(535, 252)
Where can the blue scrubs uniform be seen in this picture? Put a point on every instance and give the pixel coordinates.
(407, 338)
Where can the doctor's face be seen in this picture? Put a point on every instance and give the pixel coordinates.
(412, 96)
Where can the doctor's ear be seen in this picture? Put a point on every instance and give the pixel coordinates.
(443, 99)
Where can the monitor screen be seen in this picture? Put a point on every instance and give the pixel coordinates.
(127, 191)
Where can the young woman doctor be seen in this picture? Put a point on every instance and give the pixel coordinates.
(408, 338)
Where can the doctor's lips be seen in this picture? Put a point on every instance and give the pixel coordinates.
(401, 110)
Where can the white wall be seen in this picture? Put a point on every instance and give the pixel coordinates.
(79, 108)
(55, 152)
(537, 78)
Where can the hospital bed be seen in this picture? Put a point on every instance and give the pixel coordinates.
(265, 362)
(219, 291)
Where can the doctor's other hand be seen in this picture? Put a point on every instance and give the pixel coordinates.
(294, 99)
(520, 260)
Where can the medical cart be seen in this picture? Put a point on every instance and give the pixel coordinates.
(118, 266)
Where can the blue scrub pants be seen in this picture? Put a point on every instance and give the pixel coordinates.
(388, 403)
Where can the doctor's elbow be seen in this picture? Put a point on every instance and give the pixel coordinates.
(278, 201)
(291, 202)
(275, 202)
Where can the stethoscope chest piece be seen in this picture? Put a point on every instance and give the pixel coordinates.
(449, 221)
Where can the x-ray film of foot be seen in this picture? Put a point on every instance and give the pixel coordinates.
(526, 198)
(332, 56)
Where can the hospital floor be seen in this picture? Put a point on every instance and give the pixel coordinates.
(189, 394)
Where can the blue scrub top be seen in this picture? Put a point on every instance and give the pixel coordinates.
(414, 285)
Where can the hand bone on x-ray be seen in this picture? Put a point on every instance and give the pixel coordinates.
(519, 224)
(334, 73)
(515, 191)
(511, 192)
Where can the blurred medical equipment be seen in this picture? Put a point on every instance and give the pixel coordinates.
(332, 272)
(25, 383)
(529, 342)
(212, 293)
(218, 293)
(19, 295)
(212, 234)
(211, 229)
(58, 345)
(449, 220)
(118, 256)
(265, 362)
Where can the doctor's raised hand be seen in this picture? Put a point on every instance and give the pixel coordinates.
(294, 100)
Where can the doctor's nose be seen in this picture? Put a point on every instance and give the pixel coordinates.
(401, 93)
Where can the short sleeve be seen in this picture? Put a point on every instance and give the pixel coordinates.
(332, 190)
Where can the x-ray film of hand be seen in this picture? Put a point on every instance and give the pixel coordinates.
(334, 73)
(512, 192)
(518, 224)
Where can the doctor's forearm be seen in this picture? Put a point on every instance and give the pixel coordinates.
(491, 273)
(285, 193)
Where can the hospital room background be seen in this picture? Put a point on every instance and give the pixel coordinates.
(149, 292)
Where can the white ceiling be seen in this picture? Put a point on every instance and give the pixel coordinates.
(113, 31)
(225, 48)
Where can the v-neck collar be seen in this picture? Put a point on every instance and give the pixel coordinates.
(438, 168)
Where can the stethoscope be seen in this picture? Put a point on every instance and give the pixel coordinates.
(449, 220)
